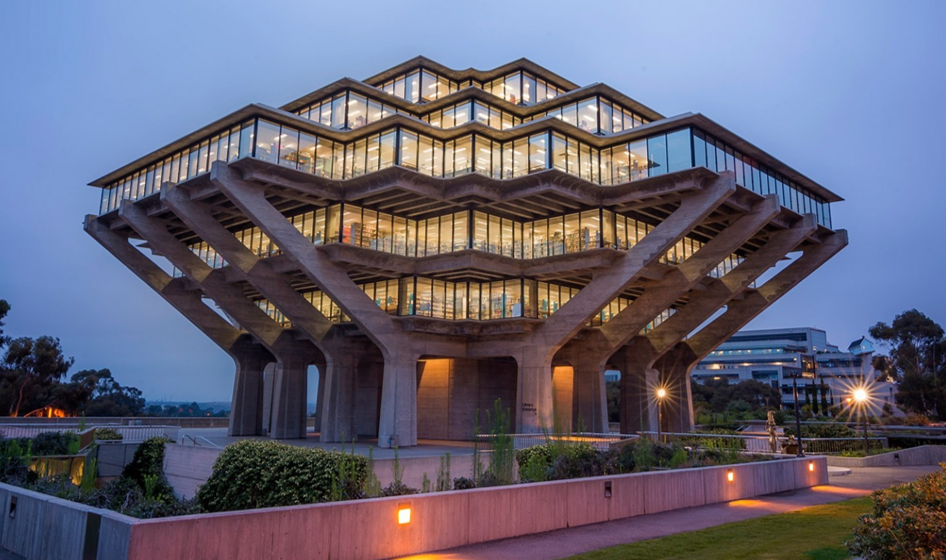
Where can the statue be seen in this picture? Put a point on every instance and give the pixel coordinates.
(771, 428)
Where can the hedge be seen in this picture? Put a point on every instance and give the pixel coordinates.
(255, 474)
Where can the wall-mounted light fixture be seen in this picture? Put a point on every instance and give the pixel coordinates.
(404, 513)
(607, 489)
(730, 475)
(811, 466)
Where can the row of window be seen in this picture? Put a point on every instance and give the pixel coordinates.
(354, 225)
(520, 88)
(349, 111)
(480, 301)
(287, 146)
(596, 115)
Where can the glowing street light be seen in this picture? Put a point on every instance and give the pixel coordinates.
(860, 399)
(661, 395)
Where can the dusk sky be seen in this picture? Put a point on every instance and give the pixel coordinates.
(851, 94)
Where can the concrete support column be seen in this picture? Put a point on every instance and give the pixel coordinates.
(638, 390)
(246, 409)
(534, 400)
(591, 400)
(397, 425)
(338, 398)
(288, 420)
(673, 374)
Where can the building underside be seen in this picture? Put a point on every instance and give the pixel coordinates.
(424, 292)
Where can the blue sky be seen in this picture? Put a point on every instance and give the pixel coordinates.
(849, 93)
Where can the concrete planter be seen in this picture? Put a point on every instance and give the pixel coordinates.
(914, 456)
(368, 529)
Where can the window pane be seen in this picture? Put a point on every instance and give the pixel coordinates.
(387, 149)
(357, 111)
(588, 115)
(338, 112)
(289, 147)
(307, 152)
(537, 152)
(267, 145)
(513, 86)
(637, 152)
(558, 152)
(528, 89)
(678, 149)
(408, 150)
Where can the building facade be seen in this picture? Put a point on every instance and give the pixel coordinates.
(826, 375)
(435, 239)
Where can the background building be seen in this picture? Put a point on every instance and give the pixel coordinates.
(435, 239)
(775, 356)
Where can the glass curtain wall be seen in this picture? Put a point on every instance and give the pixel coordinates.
(597, 115)
(347, 111)
(474, 153)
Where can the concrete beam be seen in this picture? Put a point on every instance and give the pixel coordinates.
(292, 356)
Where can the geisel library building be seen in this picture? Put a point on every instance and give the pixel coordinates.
(435, 239)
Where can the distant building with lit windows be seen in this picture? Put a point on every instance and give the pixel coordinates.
(775, 356)
(433, 240)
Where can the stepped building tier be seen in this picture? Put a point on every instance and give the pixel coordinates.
(433, 240)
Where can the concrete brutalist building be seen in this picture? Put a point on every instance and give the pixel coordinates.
(435, 239)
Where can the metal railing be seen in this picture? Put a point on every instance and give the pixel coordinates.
(196, 441)
(601, 441)
(31, 431)
(760, 444)
(137, 434)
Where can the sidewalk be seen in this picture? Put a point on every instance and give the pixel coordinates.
(560, 544)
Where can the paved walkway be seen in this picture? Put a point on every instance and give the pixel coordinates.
(567, 542)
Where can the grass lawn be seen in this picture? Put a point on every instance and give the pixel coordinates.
(816, 533)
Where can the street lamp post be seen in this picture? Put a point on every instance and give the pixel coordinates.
(799, 452)
(661, 393)
(860, 397)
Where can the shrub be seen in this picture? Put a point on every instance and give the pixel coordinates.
(107, 434)
(463, 483)
(822, 431)
(255, 474)
(146, 469)
(56, 443)
(914, 419)
(907, 521)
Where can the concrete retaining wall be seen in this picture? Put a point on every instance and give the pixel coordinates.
(914, 456)
(187, 467)
(368, 529)
(41, 527)
(113, 456)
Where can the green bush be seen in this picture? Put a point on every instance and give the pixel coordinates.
(55, 443)
(822, 431)
(907, 521)
(146, 469)
(255, 474)
(107, 434)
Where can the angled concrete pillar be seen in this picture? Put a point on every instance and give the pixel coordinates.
(289, 384)
(643, 351)
(249, 357)
(398, 409)
(535, 356)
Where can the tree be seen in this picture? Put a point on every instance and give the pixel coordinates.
(4, 309)
(32, 368)
(917, 359)
(104, 395)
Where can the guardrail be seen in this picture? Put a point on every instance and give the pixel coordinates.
(196, 441)
(137, 434)
(602, 441)
(760, 444)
